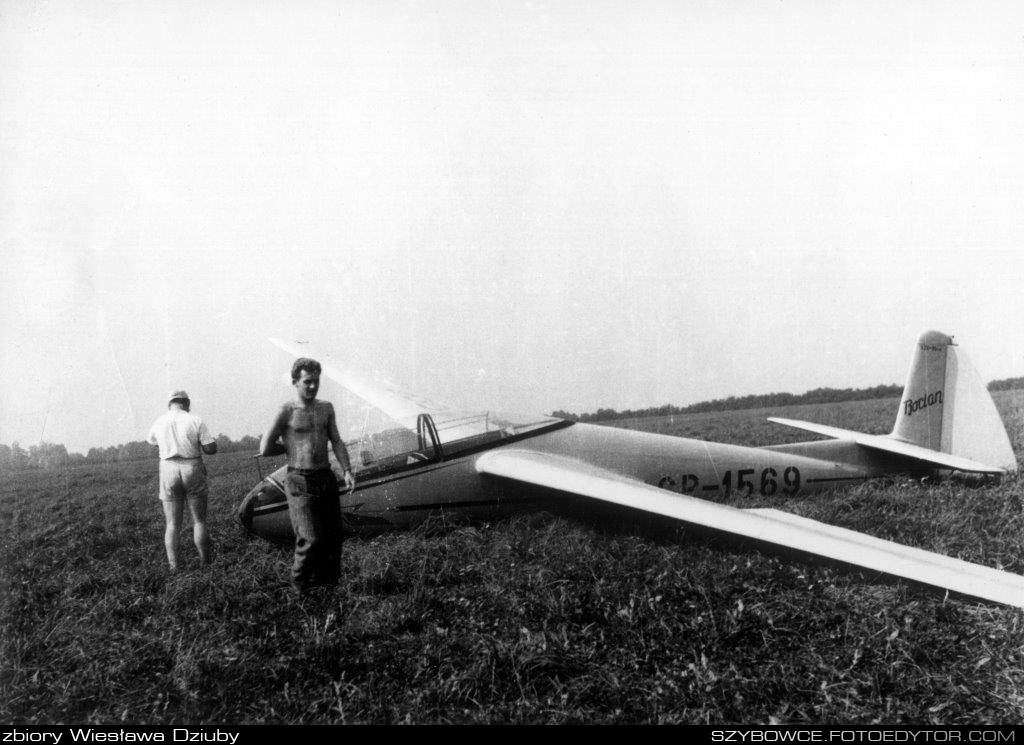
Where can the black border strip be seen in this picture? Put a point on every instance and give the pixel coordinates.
(469, 503)
(837, 478)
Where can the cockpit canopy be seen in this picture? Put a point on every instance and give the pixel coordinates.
(385, 428)
(416, 431)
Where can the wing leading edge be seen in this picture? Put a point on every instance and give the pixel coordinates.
(771, 526)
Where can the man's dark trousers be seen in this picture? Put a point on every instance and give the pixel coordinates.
(315, 513)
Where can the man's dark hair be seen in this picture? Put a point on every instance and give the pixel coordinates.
(183, 402)
(304, 363)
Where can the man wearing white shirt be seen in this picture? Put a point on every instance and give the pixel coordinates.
(183, 438)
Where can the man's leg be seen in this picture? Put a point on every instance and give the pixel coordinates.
(197, 500)
(172, 494)
(200, 536)
(172, 514)
(330, 520)
(301, 510)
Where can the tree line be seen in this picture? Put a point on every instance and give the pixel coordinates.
(48, 455)
(765, 401)
(1006, 384)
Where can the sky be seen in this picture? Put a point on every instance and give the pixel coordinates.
(525, 206)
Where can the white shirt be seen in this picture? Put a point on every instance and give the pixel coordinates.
(179, 434)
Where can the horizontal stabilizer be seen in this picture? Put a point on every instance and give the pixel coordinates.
(887, 444)
(782, 529)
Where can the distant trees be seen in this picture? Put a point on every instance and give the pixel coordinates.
(12, 457)
(765, 401)
(135, 450)
(43, 455)
(47, 455)
(247, 443)
(1006, 384)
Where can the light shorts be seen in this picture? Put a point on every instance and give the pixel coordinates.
(180, 478)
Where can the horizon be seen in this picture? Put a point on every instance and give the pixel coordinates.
(580, 415)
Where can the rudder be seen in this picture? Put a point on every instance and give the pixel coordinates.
(919, 419)
(946, 406)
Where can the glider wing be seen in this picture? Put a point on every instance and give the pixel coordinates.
(771, 526)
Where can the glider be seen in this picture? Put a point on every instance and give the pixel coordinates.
(414, 459)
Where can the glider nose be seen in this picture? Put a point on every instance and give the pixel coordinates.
(265, 494)
(248, 505)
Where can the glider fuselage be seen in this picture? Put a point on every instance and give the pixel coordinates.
(415, 491)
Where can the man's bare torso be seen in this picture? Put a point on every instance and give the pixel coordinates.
(305, 432)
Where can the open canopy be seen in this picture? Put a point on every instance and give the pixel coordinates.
(384, 427)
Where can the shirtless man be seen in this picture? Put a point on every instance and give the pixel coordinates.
(302, 429)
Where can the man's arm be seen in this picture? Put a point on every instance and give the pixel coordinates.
(206, 441)
(340, 452)
(270, 444)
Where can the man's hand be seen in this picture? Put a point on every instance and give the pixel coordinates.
(350, 481)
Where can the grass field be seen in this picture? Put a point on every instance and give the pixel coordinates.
(541, 618)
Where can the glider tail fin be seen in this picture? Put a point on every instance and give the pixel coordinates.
(925, 400)
(946, 406)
